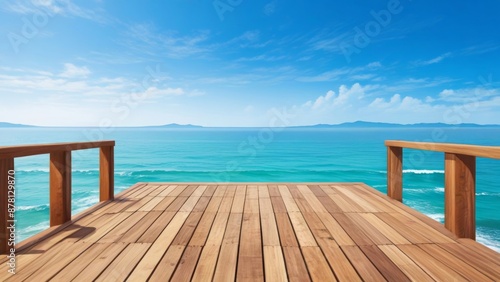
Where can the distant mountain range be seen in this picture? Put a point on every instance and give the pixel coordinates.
(366, 124)
(6, 124)
(356, 124)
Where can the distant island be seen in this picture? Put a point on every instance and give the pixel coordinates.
(367, 124)
(6, 124)
(356, 124)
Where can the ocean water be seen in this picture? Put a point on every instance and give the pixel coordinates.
(253, 155)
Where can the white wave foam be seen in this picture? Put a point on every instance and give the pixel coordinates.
(436, 216)
(439, 189)
(487, 241)
(35, 208)
(30, 230)
(423, 171)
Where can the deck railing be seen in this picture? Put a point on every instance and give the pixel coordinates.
(460, 180)
(60, 179)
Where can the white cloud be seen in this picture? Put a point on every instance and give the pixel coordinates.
(71, 71)
(54, 7)
(435, 60)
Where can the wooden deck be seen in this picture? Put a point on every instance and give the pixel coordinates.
(252, 232)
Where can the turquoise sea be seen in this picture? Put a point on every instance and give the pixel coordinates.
(253, 155)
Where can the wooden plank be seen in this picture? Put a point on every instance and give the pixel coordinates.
(218, 229)
(336, 230)
(318, 229)
(274, 191)
(250, 267)
(106, 173)
(239, 199)
(278, 205)
(225, 205)
(252, 192)
(176, 204)
(471, 150)
(344, 205)
(348, 192)
(138, 230)
(389, 232)
(342, 268)
(188, 191)
(189, 204)
(311, 199)
(230, 192)
(460, 195)
(121, 267)
(99, 264)
(203, 229)
(202, 204)
(454, 263)
(6, 166)
(270, 235)
(433, 267)
(151, 204)
(105, 227)
(351, 228)
(167, 190)
(302, 231)
(388, 269)
(286, 233)
(317, 265)
(418, 226)
(485, 252)
(226, 264)
(362, 264)
(220, 191)
(209, 192)
(152, 233)
(122, 228)
(187, 264)
(228, 256)
(187, 230)
(59, 261)
(60, 187)
(395, 173)
(167, 265)
(40, 149)
(290, 204)
(157, 191)
(274, 264)
(178, 190)
(370, 231)
(408, 266)
(401, 227)
(232, 234)
(164, 204)
(491, 268)
(206, 264)
(295, 265)
(70, 271)
(155, 253)
(263, 191)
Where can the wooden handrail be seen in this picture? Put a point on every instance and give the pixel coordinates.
(60, 178)
(460, 179)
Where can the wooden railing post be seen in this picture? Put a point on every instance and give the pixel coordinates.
(6, 165)
(107, 173)
(60, 187)
(460, 194)
(395, 173)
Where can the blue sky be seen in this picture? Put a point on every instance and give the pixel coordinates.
(248, 63)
